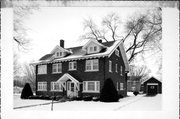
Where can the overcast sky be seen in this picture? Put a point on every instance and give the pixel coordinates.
(50, 24)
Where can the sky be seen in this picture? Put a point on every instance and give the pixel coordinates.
(48, 25)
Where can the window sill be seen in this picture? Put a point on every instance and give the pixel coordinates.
(91, 70)
(41, 90)
(72, 69)
(42, 74)
(56, 91)
(90, 92)
(56, 72)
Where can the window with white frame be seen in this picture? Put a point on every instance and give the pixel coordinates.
(92, 65)
(91, 86)
(56, 86)
(42, 69)
(73, 65)
(57, 68)
(42, 86)
(121, 70)
(59, 54)
(93, 49)
(117, 85)
(121, 86)
(110, 66)
(116, 68)
(117, 52)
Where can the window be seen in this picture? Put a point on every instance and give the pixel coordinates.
(42, 69)
(92, 65)
(116, 68)
(117, 86)
(121, 86)
(56, 86)
(72, 65)
(91, 86)
(57, 68)
(110, 66)
(42, 86)
(93, 49)
(117, 52)
(59, 54)
(121, 70)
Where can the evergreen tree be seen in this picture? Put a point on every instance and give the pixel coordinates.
(26, 92)
(109, 92)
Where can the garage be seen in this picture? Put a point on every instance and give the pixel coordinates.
(152, 86)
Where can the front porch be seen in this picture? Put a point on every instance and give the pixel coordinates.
(70, 86)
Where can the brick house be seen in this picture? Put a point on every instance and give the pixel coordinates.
(81, 71)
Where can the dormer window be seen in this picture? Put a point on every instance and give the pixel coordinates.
(59, 54)
(93, 49)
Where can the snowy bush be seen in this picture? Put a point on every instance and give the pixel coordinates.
(87, 98)
(26, 92)
(109, 92)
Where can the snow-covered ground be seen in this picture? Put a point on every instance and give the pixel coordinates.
(140, 102)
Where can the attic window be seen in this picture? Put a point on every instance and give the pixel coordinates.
(59, 54)
(117, 52)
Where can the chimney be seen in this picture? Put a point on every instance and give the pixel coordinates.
(62, 43)
(100, 41)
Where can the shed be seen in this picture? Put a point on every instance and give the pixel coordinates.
(152, 86)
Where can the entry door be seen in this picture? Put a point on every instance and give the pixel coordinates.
(71, 89)
(152, 89)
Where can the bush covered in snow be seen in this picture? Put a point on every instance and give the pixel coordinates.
(87, 98)
(109, 92)
(26, 92)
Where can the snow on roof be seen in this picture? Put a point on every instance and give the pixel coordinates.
(150, 78)
(78, 53)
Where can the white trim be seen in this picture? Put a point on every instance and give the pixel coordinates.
(96, 87)
(110, 66)
(59, 48)
(42, 69)
(42, 86)
(67, 76)
(72, 66)
(91, 65)
(92, 40)
(152, 83)
(56, 66)
(53, 83)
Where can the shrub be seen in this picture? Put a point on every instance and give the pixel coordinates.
(96, 99)
(109, 92)
(135, 93)
(87, 98)
(26, 92)
(77, 98)
(120, 96)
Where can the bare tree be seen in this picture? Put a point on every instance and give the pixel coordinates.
(141, 72)
(143, 31)
(29, 73)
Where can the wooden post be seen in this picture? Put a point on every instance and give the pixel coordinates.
(52, 104)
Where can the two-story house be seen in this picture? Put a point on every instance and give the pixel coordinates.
(81, 71)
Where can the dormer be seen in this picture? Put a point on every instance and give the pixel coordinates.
(60, 51)
(93, 46)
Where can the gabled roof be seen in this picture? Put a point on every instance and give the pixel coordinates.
(59, 48)
(77, 53)
(150, 78)
(94, 41)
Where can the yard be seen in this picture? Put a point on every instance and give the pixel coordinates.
(139, 102)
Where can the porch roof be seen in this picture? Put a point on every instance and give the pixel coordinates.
(65, 77)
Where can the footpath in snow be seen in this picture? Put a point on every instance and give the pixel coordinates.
(140, 102)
